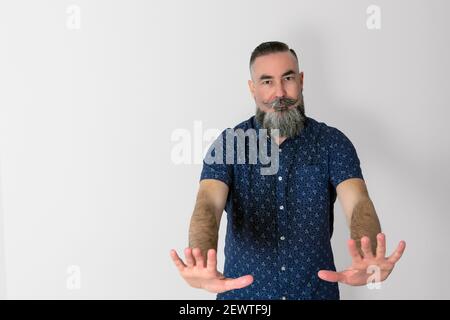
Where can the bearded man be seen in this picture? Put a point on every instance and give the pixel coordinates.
(278, 237)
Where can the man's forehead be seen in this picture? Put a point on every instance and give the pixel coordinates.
(274, 64)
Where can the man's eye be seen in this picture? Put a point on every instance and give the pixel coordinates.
(289, 78)
(266, 82)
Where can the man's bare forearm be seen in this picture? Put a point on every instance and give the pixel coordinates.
(203, 229)
(364, 222)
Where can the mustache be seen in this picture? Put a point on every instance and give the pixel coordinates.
(282, 103)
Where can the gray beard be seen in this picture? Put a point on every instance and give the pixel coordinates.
(289, 122)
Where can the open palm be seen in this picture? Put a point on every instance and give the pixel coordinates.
(199, 273)
(362, 265)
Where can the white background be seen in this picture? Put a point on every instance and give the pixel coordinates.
(86, 118)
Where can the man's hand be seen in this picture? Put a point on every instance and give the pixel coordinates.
(199, 273)
(357, 274)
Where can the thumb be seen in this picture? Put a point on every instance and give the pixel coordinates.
(330, 276)
(238, 283)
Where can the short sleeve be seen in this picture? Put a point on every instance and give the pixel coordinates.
(343, 159)
(214, 163)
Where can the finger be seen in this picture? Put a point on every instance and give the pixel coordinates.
(176, 259)
(211, 261)
(354, 253)
(365, 247)
(238, 283)
(189, 258)
(381, 245)
(331, 276)
(199, 261)
(398, 253)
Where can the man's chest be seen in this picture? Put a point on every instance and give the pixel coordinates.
(300, 184)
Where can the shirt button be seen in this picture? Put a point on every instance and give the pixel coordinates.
(280, 178)
(283, 268)
(282, 238)
(283, 298)
(280, 150)
(281, 207)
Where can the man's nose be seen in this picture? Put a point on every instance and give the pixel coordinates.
(280, 91)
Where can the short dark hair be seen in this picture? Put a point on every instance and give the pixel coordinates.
(269, 47)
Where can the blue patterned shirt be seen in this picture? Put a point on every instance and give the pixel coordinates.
(280, 226)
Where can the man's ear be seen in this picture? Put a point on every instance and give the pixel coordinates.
(251, 86)
(301, 79)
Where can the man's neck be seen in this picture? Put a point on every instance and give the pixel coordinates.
(279, 140)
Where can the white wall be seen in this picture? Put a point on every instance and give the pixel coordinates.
(86, 118)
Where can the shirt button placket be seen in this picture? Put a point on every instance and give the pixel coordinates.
(282, 218)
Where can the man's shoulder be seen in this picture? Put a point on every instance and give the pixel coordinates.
(317, 125)
(328, 135)
(244, 125)
(323, 129)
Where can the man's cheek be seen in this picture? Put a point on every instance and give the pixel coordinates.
(263, 106)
